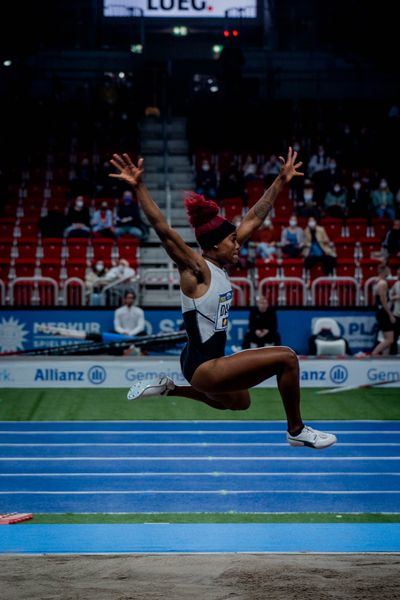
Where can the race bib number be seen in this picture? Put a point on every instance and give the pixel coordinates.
(224, 304)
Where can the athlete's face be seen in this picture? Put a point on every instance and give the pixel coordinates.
(228, 250)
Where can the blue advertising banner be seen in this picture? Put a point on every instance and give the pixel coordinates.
(20, 329)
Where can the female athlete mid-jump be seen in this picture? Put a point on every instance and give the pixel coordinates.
(218, 380)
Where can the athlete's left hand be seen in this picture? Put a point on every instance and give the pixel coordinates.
(289, 166)
(128, 172)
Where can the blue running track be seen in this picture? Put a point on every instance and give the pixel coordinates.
(203, 466)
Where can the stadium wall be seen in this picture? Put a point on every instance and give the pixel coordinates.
(19, 328)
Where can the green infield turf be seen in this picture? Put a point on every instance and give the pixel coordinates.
(51, 518)
(111, 404)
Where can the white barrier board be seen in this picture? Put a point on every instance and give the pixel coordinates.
(92, 372)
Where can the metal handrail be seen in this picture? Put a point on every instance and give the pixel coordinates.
(64, 293)
(35, 299)
(283, 280)
(333, 300)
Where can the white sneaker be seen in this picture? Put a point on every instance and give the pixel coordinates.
(157, 387)
(312, 438)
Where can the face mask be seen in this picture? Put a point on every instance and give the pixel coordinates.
(99, 266)
(383, 185)
(293, 223)
(126, 199)
(308, 196)
(332, 166)
(205, 167)
(312, 224)
(336, 189)
(79, 203)
(296, 147)
(356, 185)
(267, 222)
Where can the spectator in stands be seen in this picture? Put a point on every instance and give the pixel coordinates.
(384, 316)
(358, 200)
(206, 181)
(129, 220)
(266, 239)
(292, 239)
(231, 183)
(263, 327)
(335, 202)
(78, 219)
(318, 162)
(94, 281)
(102, 221)
(391, 242)
(128, 318)
(394, 296)
(270, 169)
(383, 201)
(122, 272)
(306, 205)
(318, 248)
(249, 169)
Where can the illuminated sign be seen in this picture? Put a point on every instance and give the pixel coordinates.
(181, 8)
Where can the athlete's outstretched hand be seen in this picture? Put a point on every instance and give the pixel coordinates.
(128, 172)
(289, 166)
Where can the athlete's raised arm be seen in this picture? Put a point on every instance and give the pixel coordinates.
(256, 215)
(184, 256)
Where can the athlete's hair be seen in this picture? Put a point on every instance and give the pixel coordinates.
(209, 227)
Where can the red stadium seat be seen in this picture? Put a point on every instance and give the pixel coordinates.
(368, 267)
(327, 291)
(287, 291)
(357, 228)
(50, 267)
(77, 248)
(370, 245)
(25, 267)
(381, 227)
(333, 227)
(7, 226)
(345, 267)
(266, 269)
(4, 268)
(76, 268)
(28, 227)
(293, 267)
(128, 248)
(26, 247)
(52, 248)
(103, 248)
(345, 247)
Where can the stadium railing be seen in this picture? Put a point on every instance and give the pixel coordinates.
(335, 291)
(284, 291)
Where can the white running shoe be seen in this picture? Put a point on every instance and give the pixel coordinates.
(312, 438)
(157, 387)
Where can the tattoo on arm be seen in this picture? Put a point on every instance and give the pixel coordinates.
(263, 206)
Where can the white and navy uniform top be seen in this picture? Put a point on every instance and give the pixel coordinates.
(206, 322)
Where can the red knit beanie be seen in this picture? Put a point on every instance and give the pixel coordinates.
(209, 227)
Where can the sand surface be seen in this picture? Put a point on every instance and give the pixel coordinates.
(201, 577)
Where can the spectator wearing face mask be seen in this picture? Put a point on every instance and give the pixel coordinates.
(78, 219)
(383, 201)
(318, 248)
(335, 202)
(95, 280)
(121, 272)
(318, 161)
(102, 221)
(292, 239)
(358, 200)
(266, 238)
(206, 181)
(249, 169)
(129, 220)
(306, 204)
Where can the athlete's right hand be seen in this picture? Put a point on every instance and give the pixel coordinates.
(128, 172)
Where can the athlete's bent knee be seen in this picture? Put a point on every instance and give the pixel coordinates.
(240, 404)
(290, 358)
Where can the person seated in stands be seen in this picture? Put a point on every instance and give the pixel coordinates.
(128, 318)
(270, 169)
(206, 181)
(102, 221)
(122, 272)
(95, 280)
(318, 161)
(383, 201)
(335, 202)
(318, 248)
(129, 220)
(263, 327)
(231, 183)
(306, 203)
(292, 239)
(78, 219)
(358, 200)
(266, 238)
(391, 243)
(249, 169)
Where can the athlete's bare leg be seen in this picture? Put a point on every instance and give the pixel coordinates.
(384, 346)
(225, 381)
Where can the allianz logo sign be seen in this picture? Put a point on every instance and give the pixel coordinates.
(95, 374)
(338, 374)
